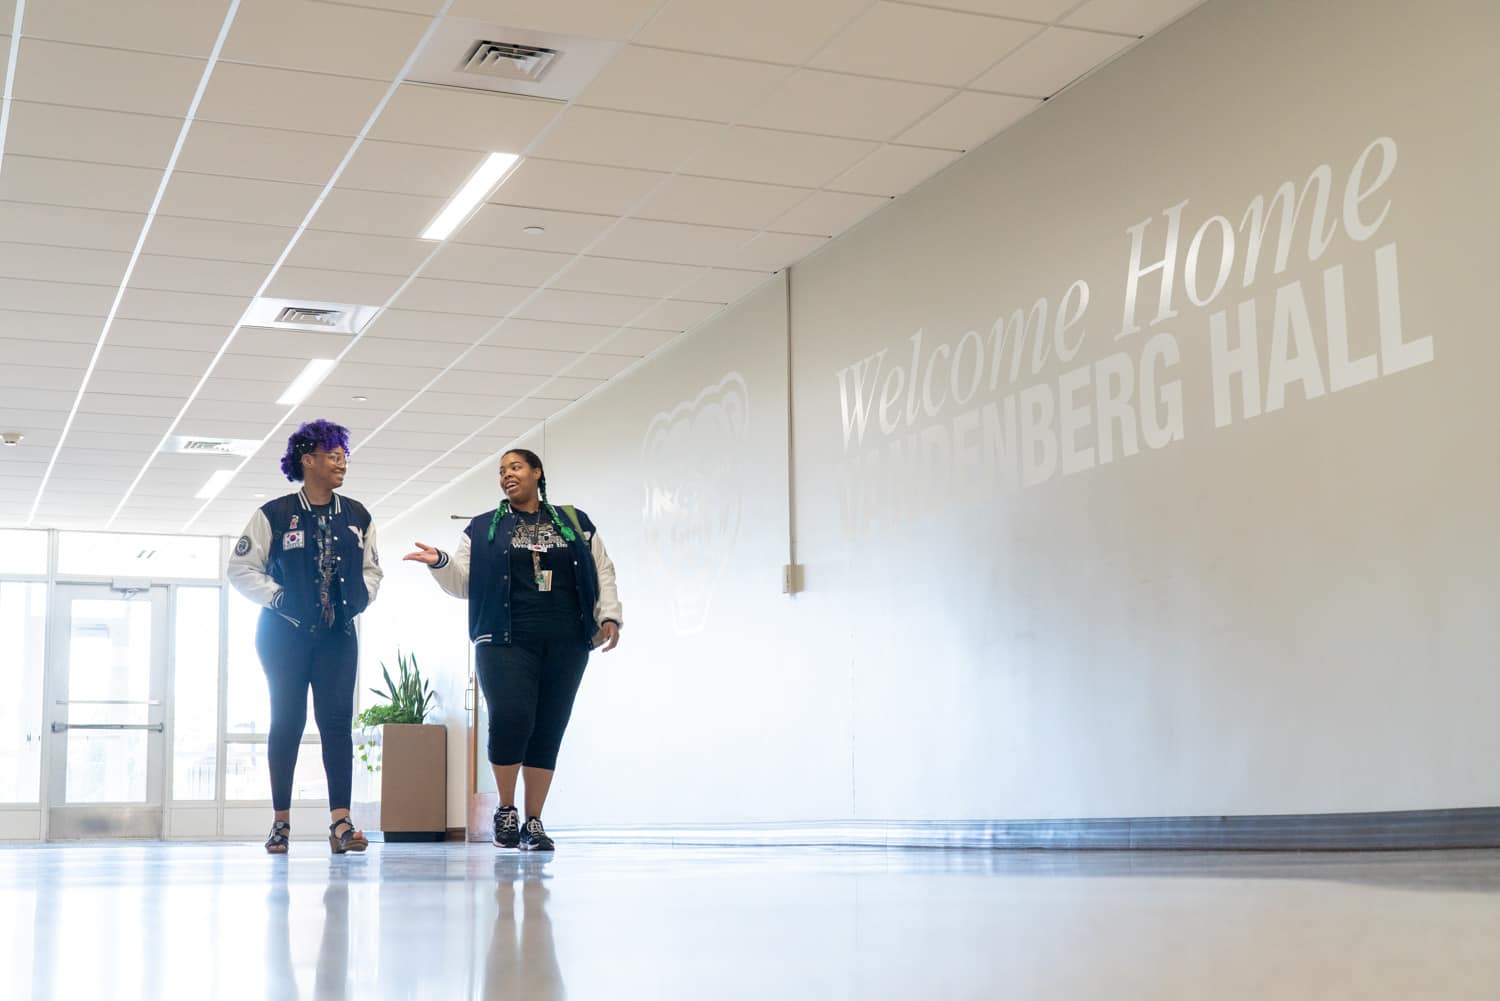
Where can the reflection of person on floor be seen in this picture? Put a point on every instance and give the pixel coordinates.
(332, 973)
(522, 961)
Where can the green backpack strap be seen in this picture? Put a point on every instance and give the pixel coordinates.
(572, 513)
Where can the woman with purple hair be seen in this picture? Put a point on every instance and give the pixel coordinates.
(308, 559)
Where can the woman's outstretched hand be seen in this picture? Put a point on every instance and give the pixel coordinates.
(424, 554)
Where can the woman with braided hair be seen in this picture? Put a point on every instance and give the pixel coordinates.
(541, 593)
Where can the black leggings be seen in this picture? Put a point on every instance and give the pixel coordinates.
(293, 660)
(529, 687)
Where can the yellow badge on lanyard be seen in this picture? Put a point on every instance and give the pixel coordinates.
(544, 580)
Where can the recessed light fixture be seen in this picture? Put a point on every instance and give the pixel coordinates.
(12, 438)
(536, 230)
(360, 399)
(216, 483)
(315, 372)
(484, 180)
(259, 496)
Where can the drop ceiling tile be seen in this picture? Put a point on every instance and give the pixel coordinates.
(576, 187)
(1025, 10)
(770, 157)
(75, 184)
(324, 38)
(143, 383)
(399, 356)
(1129, 17)
(965, 122)
(119, 358)
(39, 377)
(56, 297)
(590, 18)
(166, 334)
(417, 326)
(625, 139)
(829, 213)
(724, 285)
(1051, 61)
(54, 327)
(672, 243)
(348, 252)
(238, 199)
(177, 27)
(409, 170)
(713, 202)
(463, 119)
(602, 366)
(113, 137)
(648, 279)
(428, 7)
(323, 285)
(217, 240)
(90, 229)
(838, 104)
(106, 79)
(676, 315)
(778, 31)
(357, 377)
(774, 251)
(260, 153)
(66, 354)
(893, 170)
(880, 44)
(577, 337)
(567, 388)
(189, 274)
(472, 298)
(505, 226)
(61, 264)
(267, 342)
(376, 212)
(506, 266)
(183, 307)
(286, 99)
(653, 81)
(518, 361)
(640, 343)
(583, 307)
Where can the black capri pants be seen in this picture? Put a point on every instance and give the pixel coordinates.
(295, 660)
(529, 687)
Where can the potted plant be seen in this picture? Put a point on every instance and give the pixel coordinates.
(403, 792)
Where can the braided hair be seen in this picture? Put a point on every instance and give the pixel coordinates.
(535, 462)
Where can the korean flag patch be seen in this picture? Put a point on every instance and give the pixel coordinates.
(293, 540)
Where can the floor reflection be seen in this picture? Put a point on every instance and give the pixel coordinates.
(521, 961)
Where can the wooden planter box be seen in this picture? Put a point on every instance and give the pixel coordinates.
(406, 797)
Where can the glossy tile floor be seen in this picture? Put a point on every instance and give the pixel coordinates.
(88, 922)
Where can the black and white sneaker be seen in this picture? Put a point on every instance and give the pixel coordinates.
(534, 837)
(507, 827)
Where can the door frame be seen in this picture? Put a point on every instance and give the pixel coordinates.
(146, 820)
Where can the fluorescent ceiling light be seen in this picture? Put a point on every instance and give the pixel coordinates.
(315, 372)
(483, 181)
(217, 482)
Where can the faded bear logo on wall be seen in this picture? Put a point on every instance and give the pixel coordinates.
(693, 456)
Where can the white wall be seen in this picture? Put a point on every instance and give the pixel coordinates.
(1289, 612)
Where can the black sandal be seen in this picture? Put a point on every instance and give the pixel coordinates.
(352, 840)
(277, 843)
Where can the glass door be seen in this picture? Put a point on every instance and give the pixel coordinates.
(108, 665)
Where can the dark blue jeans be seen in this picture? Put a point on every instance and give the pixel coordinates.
(295, 660)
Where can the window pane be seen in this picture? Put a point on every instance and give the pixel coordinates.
(107, 554)
(249, 700)
(23, 625)
(195, 712)
(23, 551)
(109, 681)
(248, 776)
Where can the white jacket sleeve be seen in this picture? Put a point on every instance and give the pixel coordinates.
(452, 570)
(608, 608)
(247, 564)
(372, 572)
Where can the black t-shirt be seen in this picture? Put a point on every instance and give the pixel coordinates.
(552, 613)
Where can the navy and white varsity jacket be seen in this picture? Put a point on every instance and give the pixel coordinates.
(480, 571)
(275, 563)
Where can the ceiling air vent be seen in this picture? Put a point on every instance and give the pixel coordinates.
(305, 316)
(508, 60)
(197, 445)
(219, 446)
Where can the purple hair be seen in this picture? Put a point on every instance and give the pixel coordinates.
(309, 437)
